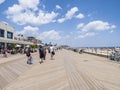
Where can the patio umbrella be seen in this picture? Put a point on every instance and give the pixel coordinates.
(18, 45)
(27, 46)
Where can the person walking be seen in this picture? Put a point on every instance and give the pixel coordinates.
(41, 53)
(5, 52)
(28, 53)
(45, 53)
(52, 51)
(30, 60)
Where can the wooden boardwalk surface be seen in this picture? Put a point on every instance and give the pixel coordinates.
(68, 71)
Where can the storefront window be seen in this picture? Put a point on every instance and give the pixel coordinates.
(10, 35)
(2, 45)
(2, 33)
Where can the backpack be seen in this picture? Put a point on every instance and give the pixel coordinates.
(41, 50)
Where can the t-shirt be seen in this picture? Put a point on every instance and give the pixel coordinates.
(28, 53)
(41, 50)
(52, 49)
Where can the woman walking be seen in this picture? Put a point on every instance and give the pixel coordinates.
(41, 53)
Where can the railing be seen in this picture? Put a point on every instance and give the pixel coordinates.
(111, 54)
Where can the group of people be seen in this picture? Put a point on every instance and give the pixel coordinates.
(42, 53)
(4, 52)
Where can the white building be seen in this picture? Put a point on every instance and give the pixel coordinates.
(7, 36)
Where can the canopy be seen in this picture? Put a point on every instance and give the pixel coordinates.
(27, 46)
(18, 45)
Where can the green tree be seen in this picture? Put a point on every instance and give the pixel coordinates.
(32, 46)
(13, 45)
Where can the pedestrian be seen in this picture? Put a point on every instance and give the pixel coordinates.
(30, 60)
(45, 53)
(28, 52)
(49, 50)
(5, 52)
(41, 53)
(52, 51)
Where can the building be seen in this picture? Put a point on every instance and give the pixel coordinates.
(7, 36)
(34, 40)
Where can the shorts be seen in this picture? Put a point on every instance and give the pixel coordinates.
(41, 56)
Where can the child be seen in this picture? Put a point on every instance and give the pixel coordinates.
(30, 60)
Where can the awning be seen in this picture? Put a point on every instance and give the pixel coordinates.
(18, 45)
(14, 41)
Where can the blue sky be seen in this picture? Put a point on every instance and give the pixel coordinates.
(77, 23)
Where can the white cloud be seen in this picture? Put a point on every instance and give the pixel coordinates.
(89, 34)
(113, 26)
(93, 27)
(26, 13)
(80, 16)
(29, 31)
(14, 10)
(61, 20)
(31, 4)
(22, 18)
(34, 31)
(2, 1)
(80, 25)
(98, 26)
(50, 35)
(70, 13)
(58, 7)
(44, 18)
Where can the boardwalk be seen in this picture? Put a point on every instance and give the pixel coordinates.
(68, 71)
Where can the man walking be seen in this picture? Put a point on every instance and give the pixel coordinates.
(41, 53)
(52, 51)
